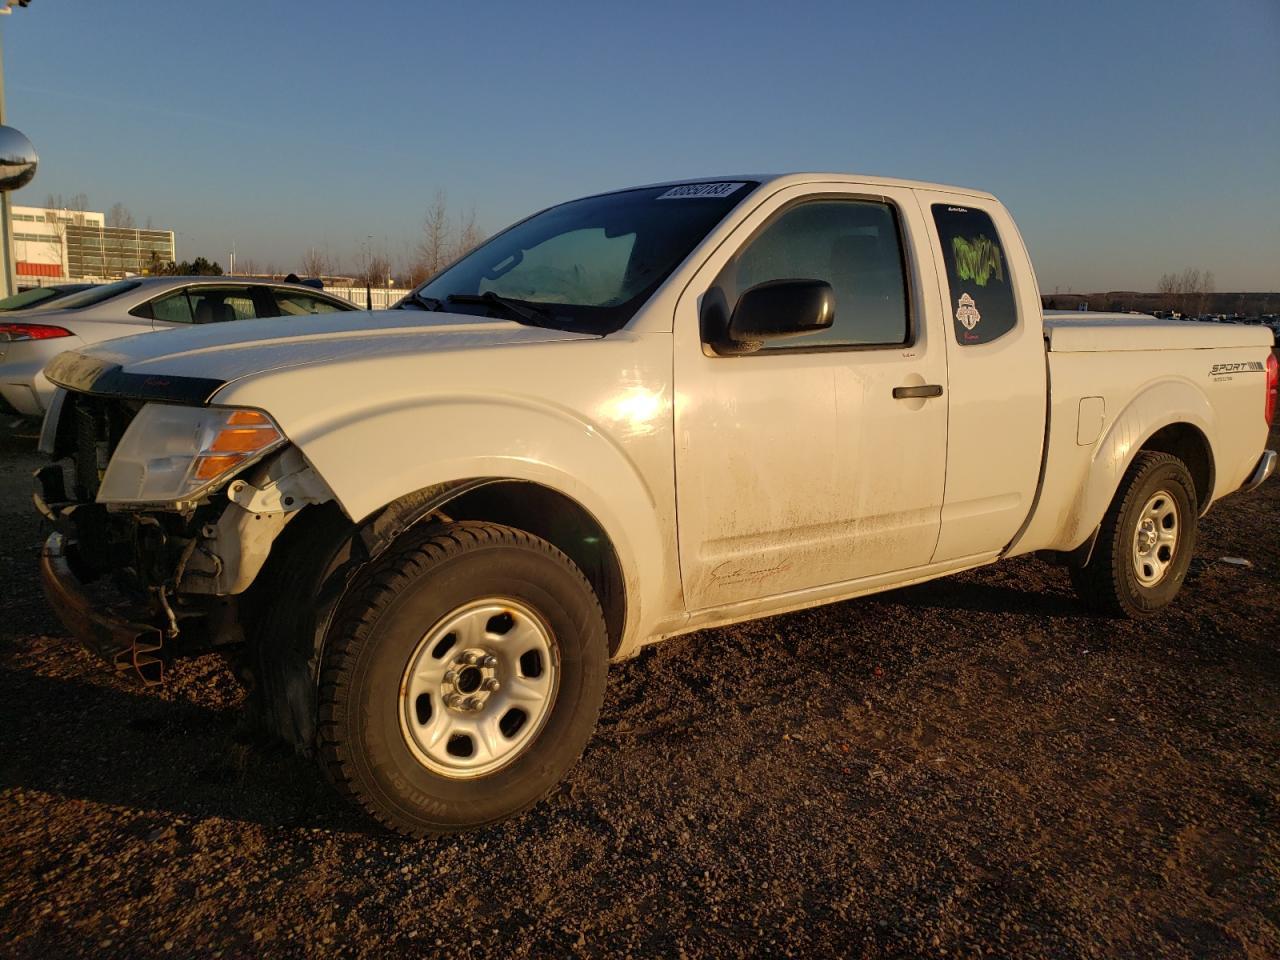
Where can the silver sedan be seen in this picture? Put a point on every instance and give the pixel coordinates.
(29, 339)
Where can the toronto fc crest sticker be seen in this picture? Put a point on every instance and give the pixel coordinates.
(967, 312)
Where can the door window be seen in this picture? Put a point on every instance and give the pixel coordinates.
(853, 245)
(983, 306)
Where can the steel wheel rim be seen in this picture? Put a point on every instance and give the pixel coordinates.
(1155, 538)
(478, 688)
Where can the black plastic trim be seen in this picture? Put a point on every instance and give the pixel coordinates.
(87, 374)
(921, 392)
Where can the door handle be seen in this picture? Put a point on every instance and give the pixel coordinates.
(922, 391)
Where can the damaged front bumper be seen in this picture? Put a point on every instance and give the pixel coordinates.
(140, 588)
(112, 633)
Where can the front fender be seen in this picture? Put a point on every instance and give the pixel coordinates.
(621, 477)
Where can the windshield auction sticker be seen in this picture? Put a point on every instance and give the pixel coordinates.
(700, 191)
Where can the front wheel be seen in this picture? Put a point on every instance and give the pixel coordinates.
(463, 678)
(1144, 546)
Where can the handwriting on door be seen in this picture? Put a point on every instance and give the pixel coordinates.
(731, 574)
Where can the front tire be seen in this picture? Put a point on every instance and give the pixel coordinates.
(1145, 543)
(463, 678)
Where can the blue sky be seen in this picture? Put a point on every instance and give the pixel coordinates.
(1129, 137)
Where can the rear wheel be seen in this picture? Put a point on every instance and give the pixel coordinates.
(1145, 544)
(463, 679)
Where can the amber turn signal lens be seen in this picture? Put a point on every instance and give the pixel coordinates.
(243, 440)
(248, 418)
(210, 467)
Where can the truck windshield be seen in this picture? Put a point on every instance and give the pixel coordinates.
(588, 264)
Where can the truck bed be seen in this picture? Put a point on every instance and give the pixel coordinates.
(1069, 332)
(1107, 386)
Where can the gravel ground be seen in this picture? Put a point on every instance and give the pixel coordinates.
(968, 767)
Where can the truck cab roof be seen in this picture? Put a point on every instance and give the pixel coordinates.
(799, 178)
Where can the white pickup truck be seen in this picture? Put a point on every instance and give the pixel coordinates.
(424, 533)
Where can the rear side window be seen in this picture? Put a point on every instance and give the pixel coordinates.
(983, 307)
(210, 304)
(295, 304)
(174, 308)
(853, 245)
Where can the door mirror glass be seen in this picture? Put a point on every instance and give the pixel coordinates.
(777, 309)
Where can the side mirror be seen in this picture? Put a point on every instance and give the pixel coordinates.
(778, 309)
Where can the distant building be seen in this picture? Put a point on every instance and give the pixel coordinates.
(52, 245)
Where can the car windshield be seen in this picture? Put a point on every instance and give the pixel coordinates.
(88, 298)
(588, 264)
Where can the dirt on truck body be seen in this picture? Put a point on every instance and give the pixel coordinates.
(426, 533)
(973, 765)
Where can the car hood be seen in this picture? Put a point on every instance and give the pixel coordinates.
(192, 364)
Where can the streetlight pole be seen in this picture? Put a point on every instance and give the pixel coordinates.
(18, 162)
(8, 278)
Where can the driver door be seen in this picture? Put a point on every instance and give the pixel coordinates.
(796, 466)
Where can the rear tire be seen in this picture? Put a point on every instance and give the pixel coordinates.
(1145, 543)
(462, 680)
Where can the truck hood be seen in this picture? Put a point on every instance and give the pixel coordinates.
(192, 364)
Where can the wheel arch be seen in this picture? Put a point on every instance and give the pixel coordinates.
(291, 605)
(564, 523)
(1172, 417)
(1189, 444)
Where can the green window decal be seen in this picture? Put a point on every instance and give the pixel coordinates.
(977, 260)
(983, 305)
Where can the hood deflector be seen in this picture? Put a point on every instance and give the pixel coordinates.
(85, 374)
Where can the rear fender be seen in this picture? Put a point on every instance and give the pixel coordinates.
(1158, 406)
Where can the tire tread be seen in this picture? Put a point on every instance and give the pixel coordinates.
(1100, 584)
(360, 610)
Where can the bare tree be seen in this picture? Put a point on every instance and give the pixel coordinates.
(1189, 290)
(249, 266)
(376, 272)
(443, 240)
(433, 247)
(1205, 292)
(468, 237)
(119, 216)
(317, 263)
(60, 214)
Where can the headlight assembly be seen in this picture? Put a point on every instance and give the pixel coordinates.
(173, 453)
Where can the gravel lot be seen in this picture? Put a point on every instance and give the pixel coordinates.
(964, 768)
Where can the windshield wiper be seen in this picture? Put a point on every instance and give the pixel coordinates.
(422, 302)
(517, 310)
